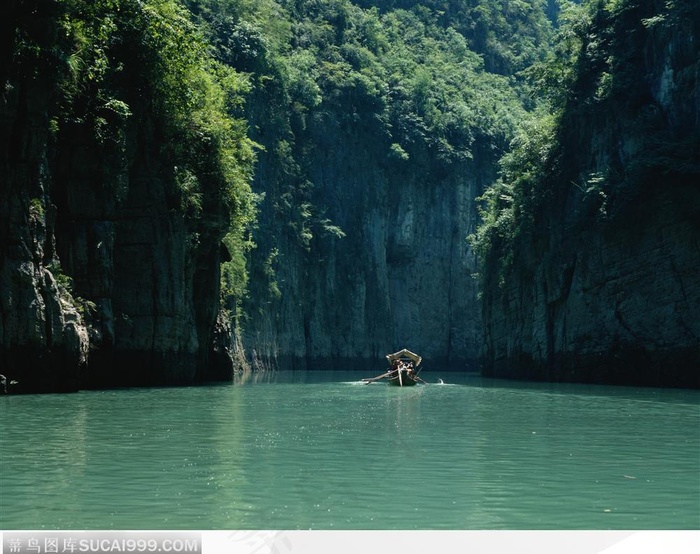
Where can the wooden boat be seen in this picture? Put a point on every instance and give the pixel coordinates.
(402, 369)
(403, 378)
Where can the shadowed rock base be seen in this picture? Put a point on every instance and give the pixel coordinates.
(625, 366)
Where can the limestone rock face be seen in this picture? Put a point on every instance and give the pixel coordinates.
(401, 276)
(104, 280)
(43, 338)
(608, 291)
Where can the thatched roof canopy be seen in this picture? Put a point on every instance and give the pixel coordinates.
(404, 355)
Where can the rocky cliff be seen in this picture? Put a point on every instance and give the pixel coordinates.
(603, 287)
(378, 137)
(120, 181)
(401, 276)
(44, 338)
(123, 170)
(107, 278)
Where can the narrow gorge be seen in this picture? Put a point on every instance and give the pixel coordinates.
(189, 188)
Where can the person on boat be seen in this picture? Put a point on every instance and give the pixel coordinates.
(411, 372)
(395, 367)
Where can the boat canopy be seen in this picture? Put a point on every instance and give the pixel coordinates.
(404, 355)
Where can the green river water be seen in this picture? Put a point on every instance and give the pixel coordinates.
(318, 450)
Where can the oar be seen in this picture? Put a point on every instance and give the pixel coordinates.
(417, 372)
(368, 381)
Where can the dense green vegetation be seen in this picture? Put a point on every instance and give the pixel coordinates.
(509, 34)
(232, 104)
(260, 139)
(590, 74)
(509, 206)
(428, 84)
(119, 64)
(148, 54)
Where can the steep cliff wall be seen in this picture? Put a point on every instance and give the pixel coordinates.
(400, 277)
(109, 266)
(604, 286)
(379, 130)
(149, 274)
(44, 339)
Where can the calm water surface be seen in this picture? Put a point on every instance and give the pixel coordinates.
(321, 451)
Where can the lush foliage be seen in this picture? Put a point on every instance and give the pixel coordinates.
(507, 207)
(146, 61)
(509, 34)
(591, 78)
(428, 85)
